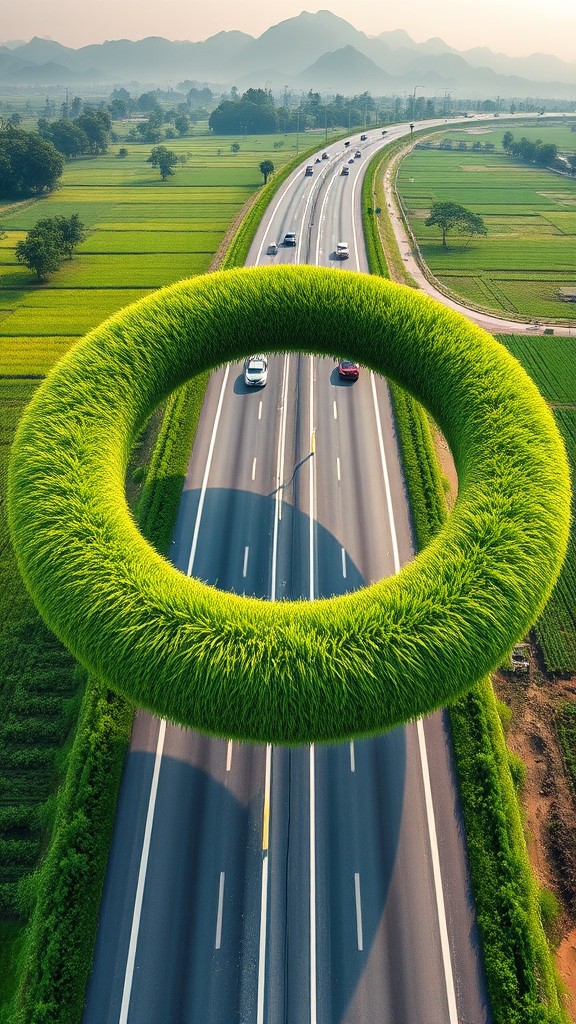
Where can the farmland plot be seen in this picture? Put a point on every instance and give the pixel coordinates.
(529, 253)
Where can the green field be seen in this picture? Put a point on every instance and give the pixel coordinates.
(530, 214)
(551, 362)
(143, 233)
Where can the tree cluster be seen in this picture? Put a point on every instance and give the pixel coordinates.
(49, 243)
(256, 112)
(89, 133)
(543, 154)
(29, 165)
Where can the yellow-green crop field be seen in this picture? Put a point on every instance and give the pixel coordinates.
(529, 253)
(143, 233)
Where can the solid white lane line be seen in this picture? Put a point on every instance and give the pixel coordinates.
(245, 566)
(357, 178)
(311, 482)
(129, 975)
(338, 469)
(352, 757)
(268, 771)
(218, 942)
(440, 908)
(359, 935)
(273, 214)
(335, 411)
(321, 218)
(264, 891)
(206, 472)
(229, 756)
(279, 473)
(254, 460)
(260, 410)
(386, 477)
(344, 563)
(313, 993)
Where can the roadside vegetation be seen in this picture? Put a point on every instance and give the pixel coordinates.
(522, 981)
(525, 264)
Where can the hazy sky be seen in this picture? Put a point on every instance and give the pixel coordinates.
(516, 27)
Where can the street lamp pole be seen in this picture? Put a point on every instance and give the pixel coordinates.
(414, 100)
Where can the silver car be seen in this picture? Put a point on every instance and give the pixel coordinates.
(256, 371)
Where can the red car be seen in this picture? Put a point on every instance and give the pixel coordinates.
(348, 370)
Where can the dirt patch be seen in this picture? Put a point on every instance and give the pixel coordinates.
(547, 800)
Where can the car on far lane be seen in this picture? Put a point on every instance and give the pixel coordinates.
(345, 170)
(290, 238)
(347, 370)
(357, 154)
(309, 170)
(351, 160)
(342, 251)
(272, 249)
(325, 156)
(363, 138)
(256, 371)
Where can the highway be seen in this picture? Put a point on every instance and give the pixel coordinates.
(268, 885)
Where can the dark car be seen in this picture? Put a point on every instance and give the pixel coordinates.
(347, 370)
(325, 156)
(345, 170)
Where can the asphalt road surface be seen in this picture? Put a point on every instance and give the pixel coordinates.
(321, 885)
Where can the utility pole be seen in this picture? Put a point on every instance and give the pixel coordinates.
(414, 100)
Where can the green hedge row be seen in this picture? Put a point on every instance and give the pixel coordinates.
(521, 978)
(376, 258)
(426, 496)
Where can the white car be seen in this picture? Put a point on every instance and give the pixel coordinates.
(290, 238)
(256, 371)
(342, 251)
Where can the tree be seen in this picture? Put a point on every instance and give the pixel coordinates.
(266, 167)
(68, 138)
(96, 125)
(164, 159)
(235, 147)
(71, 232)
(40, 252)
(507, 140)
(48, 242)
(182, 124)
(28, 164)
(447, 216)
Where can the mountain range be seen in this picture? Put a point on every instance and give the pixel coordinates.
(311, 51)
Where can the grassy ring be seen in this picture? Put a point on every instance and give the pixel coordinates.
(197, 655)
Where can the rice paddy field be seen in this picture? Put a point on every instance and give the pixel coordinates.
(143, 233)
(529, 253)
(551, 362)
